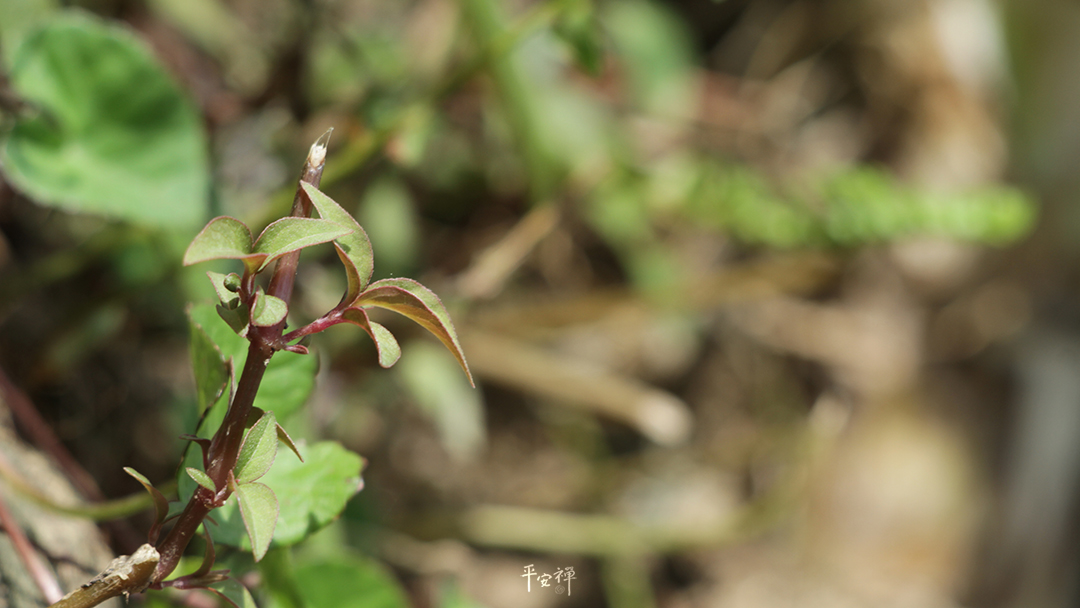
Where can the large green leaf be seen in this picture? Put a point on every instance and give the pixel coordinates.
(114, 135)
(409, 298)
(311, 494)
(346, 581)
(452, 596)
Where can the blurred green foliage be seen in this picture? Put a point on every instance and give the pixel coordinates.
(108, 132)
(493, 107)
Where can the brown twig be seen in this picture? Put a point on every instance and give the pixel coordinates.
(125, 575)
(225, 446)
(42, 436)
(43, 578)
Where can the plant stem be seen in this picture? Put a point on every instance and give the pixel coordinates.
(328, 320)
(281, 283)
(225, 446)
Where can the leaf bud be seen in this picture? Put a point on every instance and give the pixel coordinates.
(232, 282)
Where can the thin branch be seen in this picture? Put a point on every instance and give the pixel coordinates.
(225, 446)
(96, 511)
(43, 577)
(41, 436)
(126, 574)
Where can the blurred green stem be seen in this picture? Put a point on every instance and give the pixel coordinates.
(97, 511)
(546, 531)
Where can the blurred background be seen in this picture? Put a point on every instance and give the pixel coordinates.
(770, 302)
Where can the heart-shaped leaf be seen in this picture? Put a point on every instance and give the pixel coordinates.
(201, 478)
(268, 310)
(259, 509)
(224, 238)
(385, 342)
(410, 298)
(258, 450)
(291, 233)
(353, 248)
(115, 135)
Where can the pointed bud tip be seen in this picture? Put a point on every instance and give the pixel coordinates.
(317, 155)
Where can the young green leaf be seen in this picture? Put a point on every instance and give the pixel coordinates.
(259, 509)
(353, 248)
(385, 342)
(283, 436)
(229, 298)
(201, 478)
(210, 367)
(258, 450)
(268, 310)
(224, 238)
(291, 233)
(238, 319)
(161, 505)
(234, 593)
(409, 298)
